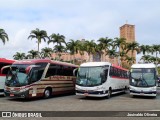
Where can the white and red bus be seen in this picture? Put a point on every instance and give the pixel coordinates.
(3, 62)
(41, 77)
(99, 79)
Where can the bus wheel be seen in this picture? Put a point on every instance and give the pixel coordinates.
(109, 93)
(47, 93)
(126, 89)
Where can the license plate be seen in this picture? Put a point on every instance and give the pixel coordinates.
(141, 93)
(11, 95)
(86, 94)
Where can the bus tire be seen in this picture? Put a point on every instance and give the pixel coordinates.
(126, 90)
(109, 93)
(47, 93)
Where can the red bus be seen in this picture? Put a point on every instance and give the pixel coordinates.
(39, 78)
(3, 62)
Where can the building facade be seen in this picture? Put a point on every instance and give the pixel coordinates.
(127, 31)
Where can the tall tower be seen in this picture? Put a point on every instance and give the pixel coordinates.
(127, 31)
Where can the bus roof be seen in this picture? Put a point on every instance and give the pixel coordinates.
(146, 65)
(4, 60)
(92, 64)
(32, 61)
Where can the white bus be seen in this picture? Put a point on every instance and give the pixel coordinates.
(99, 79)
(143, 80)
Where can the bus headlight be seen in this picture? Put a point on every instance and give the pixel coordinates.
(154, 89)
(131, 89)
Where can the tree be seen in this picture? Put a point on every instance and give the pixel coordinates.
(39, 35)
(46, 52)
(59, 49)
(33, 54)
(156, 49)
(133, 46)
(130, 60)
(104, 44)
(144, 49)
(112, 53)
(3, 36)
(73, 47)
(90, 48)
(57, 39)
(146, 58)
(120, 44)
(19, 56)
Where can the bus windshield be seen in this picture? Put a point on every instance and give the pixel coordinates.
(91, 76)
(16, 76)
(143, 77)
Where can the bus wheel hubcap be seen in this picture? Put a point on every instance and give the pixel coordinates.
(47, 93)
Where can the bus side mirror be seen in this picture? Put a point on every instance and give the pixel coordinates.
(5, 69)
(28, 69)
(75, 71)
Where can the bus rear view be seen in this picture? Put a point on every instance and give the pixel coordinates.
(143, 80)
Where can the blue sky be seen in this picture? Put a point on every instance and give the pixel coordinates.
(76, 19)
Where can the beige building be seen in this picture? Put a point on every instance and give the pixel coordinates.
(127, 31)
(85, 58)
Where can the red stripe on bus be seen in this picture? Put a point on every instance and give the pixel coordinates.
(2, 75)
(119, 78)
(59, 87)
(57, 80)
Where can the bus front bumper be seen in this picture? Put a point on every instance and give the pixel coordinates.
(92, 93)
(143, 93)
(17, 94)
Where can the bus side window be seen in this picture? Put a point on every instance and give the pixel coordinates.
(115, 72)
(68, 71)
(51, 70)
(111, 71)
(36, 74)
(126, 76)
(60, 70)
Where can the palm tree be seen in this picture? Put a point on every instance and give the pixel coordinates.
(112, 53)
(130, 60)
(119, 43)
(33, 54)
(134, 46)
(90, 48)
(153, 60)
(19, 56)
(145, 48)
(156, 49)
(59, 49)
(39, 35)
(57, 38)
(3, 36)
(104, 44)
(73, 47)
(46, 52)
(146, 58)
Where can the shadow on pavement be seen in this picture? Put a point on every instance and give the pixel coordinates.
(38, 98)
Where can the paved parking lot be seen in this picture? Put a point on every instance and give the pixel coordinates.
(120, 102)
